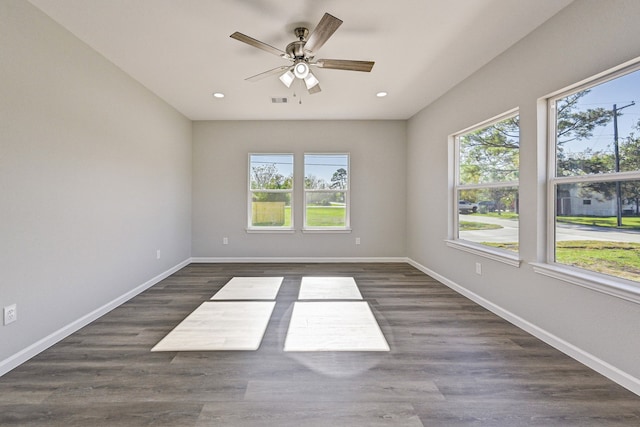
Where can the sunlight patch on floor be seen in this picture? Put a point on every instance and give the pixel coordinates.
(336, 288)
(220, 326)
(250, 288)
(334, 326)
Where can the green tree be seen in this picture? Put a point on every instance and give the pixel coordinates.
(315, 183)
(267, 177)
(491, 154)
(576, 124)
(630, 161)
(339, 179)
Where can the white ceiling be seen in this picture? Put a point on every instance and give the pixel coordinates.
(181, 50)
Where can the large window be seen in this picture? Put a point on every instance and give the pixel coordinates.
(326, 191)
(270, 191)
(594, 183)
(486, 183)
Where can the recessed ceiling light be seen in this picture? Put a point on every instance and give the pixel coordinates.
(381, 94)
(218, 95)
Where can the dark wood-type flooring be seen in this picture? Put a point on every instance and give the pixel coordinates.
(452, 363)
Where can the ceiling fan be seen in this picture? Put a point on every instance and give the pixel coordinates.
(301, 54)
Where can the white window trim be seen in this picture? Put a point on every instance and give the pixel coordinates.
(614, 286)
(347, 198)
(496, 254)
(454, 241)
(610, 285)
(269, 229)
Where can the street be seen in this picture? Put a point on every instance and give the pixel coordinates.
(509, 232)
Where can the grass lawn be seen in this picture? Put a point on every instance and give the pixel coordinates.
(503, 215)
(470, 225)
(619, 259)
(510, 246)
(320, 216)
(628, 222)
(326, 216)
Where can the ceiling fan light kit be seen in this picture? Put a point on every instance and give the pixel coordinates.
(287, 78)
(301, 69)
(311, 81)
(302, 52)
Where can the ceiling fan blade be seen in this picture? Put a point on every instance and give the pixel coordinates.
(268, 73)
(257, 43)
(314, 89)
(345, 64)
(325, 29)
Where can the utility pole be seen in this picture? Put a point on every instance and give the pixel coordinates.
(616, 152)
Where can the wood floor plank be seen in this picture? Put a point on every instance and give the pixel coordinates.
(451, 363)
(310, 414)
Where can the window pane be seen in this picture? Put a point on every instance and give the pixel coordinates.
(271, 171)
(489, 217)
(589, 235)
(270, 209)
(586, 123)
(490, 154)
(325, 209)
(324, 171)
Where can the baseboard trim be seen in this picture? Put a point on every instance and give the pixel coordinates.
(616, 375)
(34, 349)
(219, 260)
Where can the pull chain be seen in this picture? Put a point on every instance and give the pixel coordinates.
(300, 101)
(294, 92)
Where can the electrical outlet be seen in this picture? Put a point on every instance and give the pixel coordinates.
(357, 240)
(225, 240)
(158, 254)
(10, 314)
(478, 268)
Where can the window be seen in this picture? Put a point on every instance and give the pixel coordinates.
(486, 183)
(270, 191)
(326, 191)
(594, 182)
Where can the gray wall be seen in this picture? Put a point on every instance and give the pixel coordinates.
(584, 39)
(95, 176)
(220, 162)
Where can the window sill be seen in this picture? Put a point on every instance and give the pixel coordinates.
(270, 230)
(511, 259)
(326, 230)
(619, 288)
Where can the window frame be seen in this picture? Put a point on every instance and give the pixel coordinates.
(347, 196)
(454, 240)
(270, 229)
(611, 285)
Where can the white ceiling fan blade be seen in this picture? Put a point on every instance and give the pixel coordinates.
(314, 89)
(268, 73)
(345, 64)
(257, 43)
(325, 29)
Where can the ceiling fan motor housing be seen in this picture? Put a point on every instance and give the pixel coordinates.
(296, 49)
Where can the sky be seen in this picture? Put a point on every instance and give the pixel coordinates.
(621, 91)
(319, 165)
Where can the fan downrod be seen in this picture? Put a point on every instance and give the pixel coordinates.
(301, 33)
